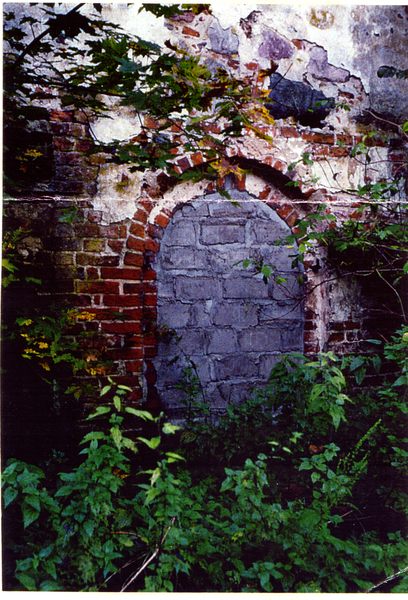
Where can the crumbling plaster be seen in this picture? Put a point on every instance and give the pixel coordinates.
(328, 47)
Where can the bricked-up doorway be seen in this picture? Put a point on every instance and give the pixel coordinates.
(232, 325)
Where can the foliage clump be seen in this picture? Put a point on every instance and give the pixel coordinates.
(302, 488)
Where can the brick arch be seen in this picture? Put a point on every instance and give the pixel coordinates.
(145, 234)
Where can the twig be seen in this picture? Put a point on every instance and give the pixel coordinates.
(397, 574)
(153, 556)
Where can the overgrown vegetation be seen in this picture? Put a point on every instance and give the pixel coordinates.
(300, 488)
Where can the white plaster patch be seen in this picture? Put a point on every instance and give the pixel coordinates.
(118, 190)
(119, 127)
(180, 194)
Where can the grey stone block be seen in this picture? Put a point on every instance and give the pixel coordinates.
(193, 342)
(236, 314)
(235, 367)
(185, 258)
(223, 41)
(222, 259)
(260, 339)
(245, 287)
(165, 289)
(200, 315)
(287, 291)
(292, 337)
(266, 364)
(197, 288)
(180, 234)
(222, 234)
(266, 232)
(193, 210)
(174, 314)
(222, 341)
(278, 310)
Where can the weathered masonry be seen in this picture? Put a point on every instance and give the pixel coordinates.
(154, 263)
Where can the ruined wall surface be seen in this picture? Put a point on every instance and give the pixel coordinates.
(225, 319)
(115, 257)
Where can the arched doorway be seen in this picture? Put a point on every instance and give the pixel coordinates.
(232, 325)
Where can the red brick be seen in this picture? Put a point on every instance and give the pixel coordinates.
(135, 313)
(95, 216)
(87, 230)
(318, 137)
(92, 273)
(122, 327)
(137, 230)
(149, 288)
(152, 246)
(133, 259)
(284, 211)
(140, 216)
(124, 353)
(184, 163)
(116, 245)
(289, 132)
(110, 231)
(151, 122)
(98, 287)
(336, 337)
(149, 275)
(61, 116)
(134, 366)
(132, 288)
(67, 158)
(151, 377)
(345, 139)
(94, 245)
(310, 326)
(191, 32)
(161, 220)
(150, 351)
(197, 158)
(309, 336)
(96, 260)
(265, 193)
(135, 244)
(84, 145)
(63, 144)
(121, 273)
(113, 300)
(147, 204)
(279, 166)
(151, 300)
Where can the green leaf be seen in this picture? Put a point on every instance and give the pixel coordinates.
(405, 127)
(26, 581)
(170, 428)
(93, 435)
(89, 527)
(143, 414)
(9, 495)
(101, 410)
(116, 436)
(30, 514)
(117, 403)
(34, 501)
(152, 443)
(174, 456)
(50, 586)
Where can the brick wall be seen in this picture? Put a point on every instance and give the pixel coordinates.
(104, 261)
